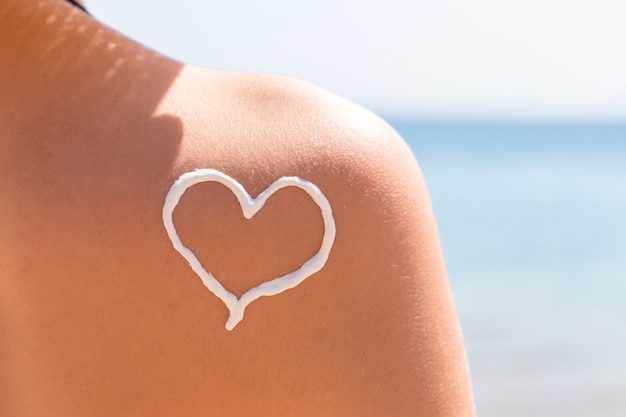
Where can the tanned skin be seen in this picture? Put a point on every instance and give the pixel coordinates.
(100, 316)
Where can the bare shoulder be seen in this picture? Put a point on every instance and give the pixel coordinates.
(375, 331)
(102, 313)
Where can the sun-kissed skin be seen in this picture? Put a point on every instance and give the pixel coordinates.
(100, 316)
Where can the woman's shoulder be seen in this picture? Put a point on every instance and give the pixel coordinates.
(114, 314)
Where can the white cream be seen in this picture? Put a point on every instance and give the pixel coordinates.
(249, 206)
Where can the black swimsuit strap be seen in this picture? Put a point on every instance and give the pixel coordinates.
(75, 3)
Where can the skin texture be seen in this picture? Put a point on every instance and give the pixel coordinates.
(100, 316)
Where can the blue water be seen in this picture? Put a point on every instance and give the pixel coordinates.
(533, 225)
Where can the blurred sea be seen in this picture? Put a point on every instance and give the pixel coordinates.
(533, 225)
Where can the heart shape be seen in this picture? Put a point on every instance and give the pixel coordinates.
(249, 207)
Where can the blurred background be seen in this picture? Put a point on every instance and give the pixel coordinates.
(516, 111)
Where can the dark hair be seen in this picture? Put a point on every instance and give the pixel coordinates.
(80, 6)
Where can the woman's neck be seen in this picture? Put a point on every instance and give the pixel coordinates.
(54, 58)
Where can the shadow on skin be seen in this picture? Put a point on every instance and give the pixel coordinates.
(84, 164)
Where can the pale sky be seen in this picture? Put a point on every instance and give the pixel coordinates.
(440, 59)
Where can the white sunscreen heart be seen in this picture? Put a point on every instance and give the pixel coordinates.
(249, 206)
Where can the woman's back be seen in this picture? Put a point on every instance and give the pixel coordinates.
(101, 316)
